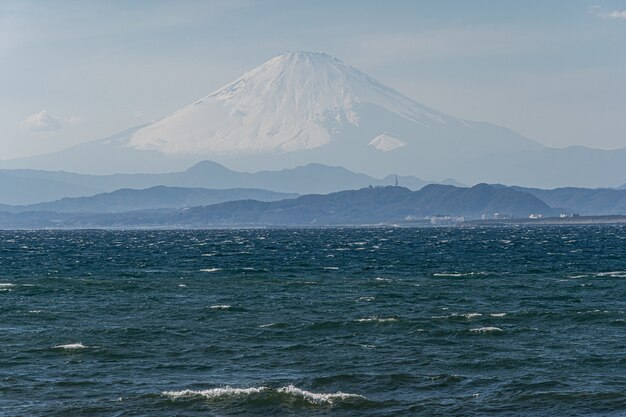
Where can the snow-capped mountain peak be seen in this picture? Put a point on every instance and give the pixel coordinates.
(298, 108)
(293, 102)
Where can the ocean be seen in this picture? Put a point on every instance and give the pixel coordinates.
(455, 321)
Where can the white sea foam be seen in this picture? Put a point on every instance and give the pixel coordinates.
(318, 398)
(613, 274)
(210, 269)
(71, 346)
(367, 298)
(220, 307)
(377, 319)
(488, 329)
(213, 392)
(35, 311)
(290, 390)
(331, 267)
(6, 285)
(470, 316)
(459, 274)
(498, 314)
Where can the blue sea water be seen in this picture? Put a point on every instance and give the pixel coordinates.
(367, 322)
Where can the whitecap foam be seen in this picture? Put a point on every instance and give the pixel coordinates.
(366, 298)
(220, 307)
(488, 329)
(182, 285)
(458, 274)
(318, 398)
(213, 392)
(333, 268)
(35, 311)
(376, 319)
(71, 346)
(470, 316)
(210, 269)
(498, 314)
(613, 274)
(6, 285)
(290, 390)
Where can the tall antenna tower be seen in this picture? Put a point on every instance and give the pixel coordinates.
(396, 180)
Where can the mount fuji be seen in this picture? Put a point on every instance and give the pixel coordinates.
(305, 107)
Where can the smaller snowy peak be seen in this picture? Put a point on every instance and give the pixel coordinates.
(386, 143)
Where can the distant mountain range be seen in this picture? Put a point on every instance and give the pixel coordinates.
(584, 201)
(158, 197)
(372, 205)
(23, 186)
(302, 107)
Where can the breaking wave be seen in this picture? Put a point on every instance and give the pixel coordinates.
(488, 329)
(288, 391)
(71, 346)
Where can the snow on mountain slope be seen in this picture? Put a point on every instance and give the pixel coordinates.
(305, 107)
(293, 102)
(386, 143)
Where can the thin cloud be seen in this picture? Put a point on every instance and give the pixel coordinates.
(75, 120)
(610, 15)
(41, 122)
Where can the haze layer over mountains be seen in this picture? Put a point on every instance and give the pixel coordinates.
(300, 108)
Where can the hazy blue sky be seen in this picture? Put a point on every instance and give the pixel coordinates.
(72, 71)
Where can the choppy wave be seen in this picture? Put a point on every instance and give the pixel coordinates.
(220, 307)
(121, 297)
(376, 319)
(487, 329)
(213, 392)
(613, 274)
(289, 390)
(210, 269)
(458, 274)
(318, 398)
(71, 346)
